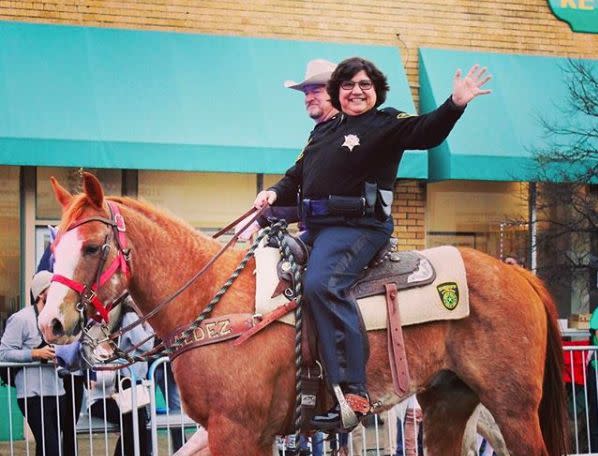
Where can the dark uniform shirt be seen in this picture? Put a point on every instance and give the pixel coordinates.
(347, 151)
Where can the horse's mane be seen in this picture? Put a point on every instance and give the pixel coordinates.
(153, 212)
(79, 203)
(73, 212)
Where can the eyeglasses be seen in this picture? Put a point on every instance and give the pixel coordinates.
(364, 84)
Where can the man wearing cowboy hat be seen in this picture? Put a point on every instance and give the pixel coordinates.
(319, 108)
(317, 100)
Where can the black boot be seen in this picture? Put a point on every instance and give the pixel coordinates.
(331, 420)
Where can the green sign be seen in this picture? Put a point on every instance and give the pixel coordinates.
(581, 15)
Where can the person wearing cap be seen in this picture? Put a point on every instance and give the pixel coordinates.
(38, 388)
(319, 109)
(346, 175)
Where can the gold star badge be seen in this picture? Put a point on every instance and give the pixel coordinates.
(351, 141)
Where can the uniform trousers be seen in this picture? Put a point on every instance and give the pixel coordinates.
(338, 257)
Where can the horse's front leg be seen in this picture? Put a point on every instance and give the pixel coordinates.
(227, 437)
(197, 445)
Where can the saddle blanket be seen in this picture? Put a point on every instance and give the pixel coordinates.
(446, 298)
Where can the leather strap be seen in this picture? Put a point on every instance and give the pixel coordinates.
(311, 382)
(269, 318)
(358, 403)
(211, 331)
(396, 343)
(307, 333)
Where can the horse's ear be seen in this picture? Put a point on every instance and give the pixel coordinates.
(93, 189)
(62, 194)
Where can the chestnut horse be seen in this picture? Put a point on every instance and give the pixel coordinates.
(506, 354)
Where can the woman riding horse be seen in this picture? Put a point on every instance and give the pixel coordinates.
(346, 175)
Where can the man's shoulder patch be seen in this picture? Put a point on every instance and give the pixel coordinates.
(404, 115)
(392, 112)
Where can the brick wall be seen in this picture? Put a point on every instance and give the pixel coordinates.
(525, 26)
(408, 210)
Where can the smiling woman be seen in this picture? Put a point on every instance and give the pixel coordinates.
(356, 95)
(345, 177)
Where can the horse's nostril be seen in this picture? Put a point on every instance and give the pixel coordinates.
(57, 328)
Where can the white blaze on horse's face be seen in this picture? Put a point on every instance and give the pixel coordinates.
(67, 256)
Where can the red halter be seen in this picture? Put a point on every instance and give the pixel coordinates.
(89, 293)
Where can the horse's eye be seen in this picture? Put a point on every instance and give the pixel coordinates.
(91, 249)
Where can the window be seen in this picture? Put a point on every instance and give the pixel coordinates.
(10, 243)
(47, 209)
(488, 216)
(207, 201)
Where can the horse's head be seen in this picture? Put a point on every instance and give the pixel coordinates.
(91, 262)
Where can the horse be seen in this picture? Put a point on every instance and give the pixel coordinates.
(506, 354)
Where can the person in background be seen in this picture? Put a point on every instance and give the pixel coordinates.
(73, 380)
(320, 110)
(409, 442)
(71, 402)
(103, 406)
(39, 389)
(512, 259)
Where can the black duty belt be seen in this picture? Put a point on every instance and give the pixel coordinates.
(349, 206)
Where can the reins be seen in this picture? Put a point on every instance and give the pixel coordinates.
(277, 229)
(161, 348)
(199, 273)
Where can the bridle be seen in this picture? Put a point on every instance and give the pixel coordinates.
(89, 291)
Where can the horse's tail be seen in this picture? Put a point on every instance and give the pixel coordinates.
(553, 405)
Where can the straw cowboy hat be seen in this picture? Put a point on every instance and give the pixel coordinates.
(318, 72)
(39, 283)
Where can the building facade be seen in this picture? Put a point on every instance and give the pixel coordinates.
(468, 209)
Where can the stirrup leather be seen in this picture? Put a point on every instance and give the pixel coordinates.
(359, 403)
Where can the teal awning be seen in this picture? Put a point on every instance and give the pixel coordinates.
(498, 134)
(97, 97)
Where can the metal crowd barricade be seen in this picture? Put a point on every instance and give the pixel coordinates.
(380, 437)
(20, 443)
(172, 419)
(582, 378)
(23, 446)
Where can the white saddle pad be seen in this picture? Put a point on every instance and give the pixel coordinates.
(446, 298)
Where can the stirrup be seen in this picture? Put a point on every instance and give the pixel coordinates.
(349, 419)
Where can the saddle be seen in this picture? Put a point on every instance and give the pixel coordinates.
(405, 269)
